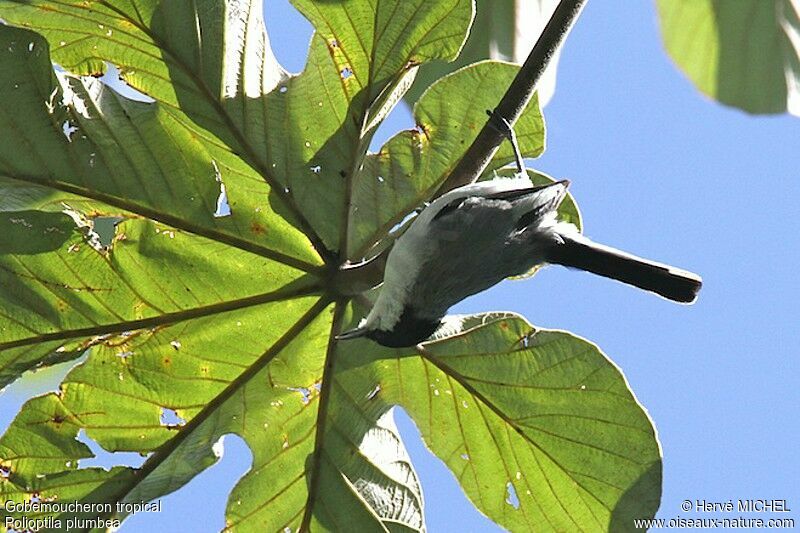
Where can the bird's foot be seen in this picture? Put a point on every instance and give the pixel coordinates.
(502, 125)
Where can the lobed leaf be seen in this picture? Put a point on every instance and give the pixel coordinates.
(539, 427)
(77, 141)
(198, 322)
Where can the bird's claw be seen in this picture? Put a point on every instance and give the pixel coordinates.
(502, 125)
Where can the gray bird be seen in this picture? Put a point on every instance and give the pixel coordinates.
(475, 236)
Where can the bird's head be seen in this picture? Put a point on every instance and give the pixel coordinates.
(409, 330)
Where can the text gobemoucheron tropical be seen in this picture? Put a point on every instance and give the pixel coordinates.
(100, 515)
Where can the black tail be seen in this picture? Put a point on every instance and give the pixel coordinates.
(672, 283)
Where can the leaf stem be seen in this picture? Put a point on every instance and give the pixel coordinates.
(297, 288)
(313, 473)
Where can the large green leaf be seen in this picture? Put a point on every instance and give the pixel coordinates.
(210, 307)
(539, 427)
(60, 287)
(212, 60)
(744, 53)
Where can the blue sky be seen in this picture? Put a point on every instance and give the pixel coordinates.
(663, 172)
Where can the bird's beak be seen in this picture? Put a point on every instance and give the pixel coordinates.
(352, 334)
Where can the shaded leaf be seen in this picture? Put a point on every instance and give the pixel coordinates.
(503, 30)
(743, 53)
(217, 378)
(76, 293)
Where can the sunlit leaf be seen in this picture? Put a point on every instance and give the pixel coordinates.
(182, 244)
(539, 427)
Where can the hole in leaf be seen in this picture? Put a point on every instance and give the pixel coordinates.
(69, 129)
(223, 208)
(346, 72)
(70, 99)
(105, 459)
(50, 104)
(305, 394)
(170, 418)
(99, 231)
(525, 341)
(511, 496)
(105, 228)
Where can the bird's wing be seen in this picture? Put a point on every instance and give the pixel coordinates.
(515, 194)
(538, 198)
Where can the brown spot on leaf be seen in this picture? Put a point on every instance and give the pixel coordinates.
(257, 228)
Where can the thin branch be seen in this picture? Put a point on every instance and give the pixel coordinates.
(483, 148)
(480, 153)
